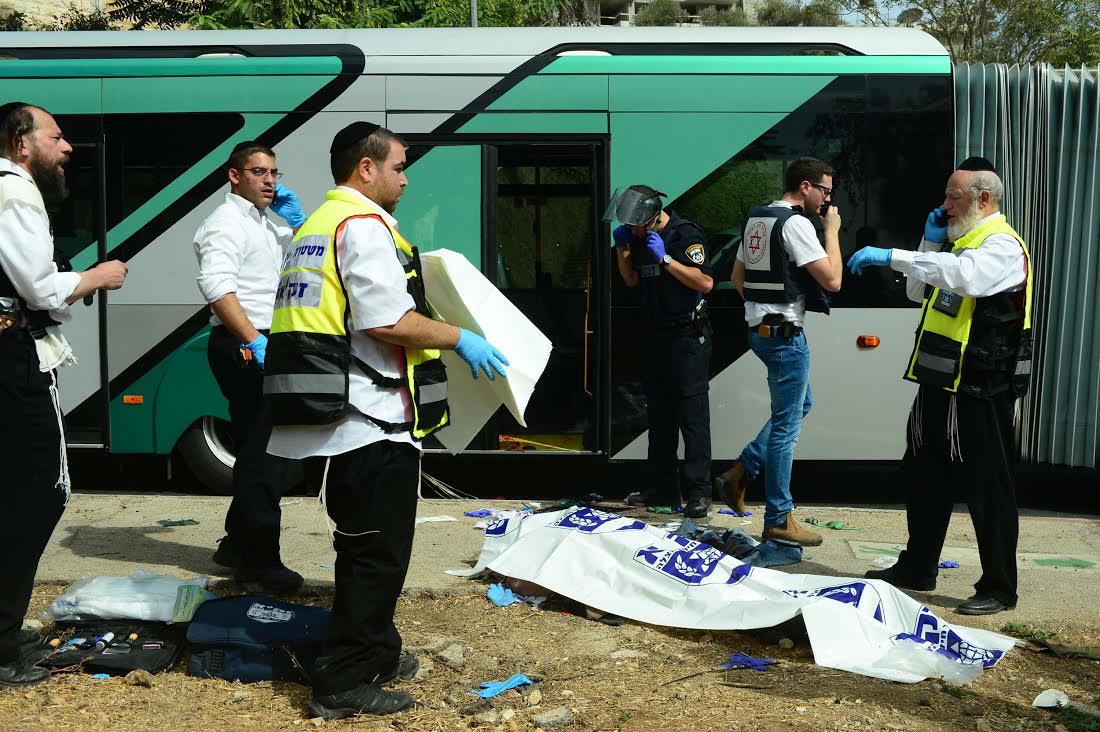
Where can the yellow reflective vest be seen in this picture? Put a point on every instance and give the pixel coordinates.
(309, 356)
(977, 346)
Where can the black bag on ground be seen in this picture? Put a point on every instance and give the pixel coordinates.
(252, 638)
(156, 647)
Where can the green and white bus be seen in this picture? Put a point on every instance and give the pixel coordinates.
(516, 137)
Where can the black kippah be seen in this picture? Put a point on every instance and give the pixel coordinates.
(351, 135)
(242, 145)
(9, 109)
(977, 163)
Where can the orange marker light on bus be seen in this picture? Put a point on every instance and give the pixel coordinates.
(133, 399)
(867, 341)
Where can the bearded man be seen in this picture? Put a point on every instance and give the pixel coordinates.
(972, 360)
(34, 301)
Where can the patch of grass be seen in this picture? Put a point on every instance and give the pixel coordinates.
(625, 715)
(956, 691)
(1025, 631)
(1077, 721)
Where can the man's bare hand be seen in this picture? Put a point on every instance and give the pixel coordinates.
(111, 274)
(832, 219)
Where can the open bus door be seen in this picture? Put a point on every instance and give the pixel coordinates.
(79, 230)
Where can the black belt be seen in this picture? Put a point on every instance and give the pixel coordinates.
(786, 330)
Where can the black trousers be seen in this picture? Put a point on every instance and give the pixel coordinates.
(370, 493)
(980, 466)
(675, 376)
(254, 518)
(32, 492)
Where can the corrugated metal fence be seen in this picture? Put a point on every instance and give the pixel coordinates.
(1041, 128)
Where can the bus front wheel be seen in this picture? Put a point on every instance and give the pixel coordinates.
(207, 449)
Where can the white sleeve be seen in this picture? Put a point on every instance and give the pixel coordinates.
(373, 277)
(901, 260)
(800, 241)
(26, 254)
(997, 265)
(219, 253)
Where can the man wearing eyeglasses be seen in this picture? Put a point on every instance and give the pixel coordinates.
(240, 251)
(782, 270)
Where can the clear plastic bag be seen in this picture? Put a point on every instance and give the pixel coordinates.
(925, 660)
(141, 596)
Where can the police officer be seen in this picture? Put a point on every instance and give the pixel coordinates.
(665, 256)
(240, 249)
(34, 300)
(782, 271)
(354, 382)
(972, 360)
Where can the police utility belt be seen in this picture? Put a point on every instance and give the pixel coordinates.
(693, 325)
(773, 326)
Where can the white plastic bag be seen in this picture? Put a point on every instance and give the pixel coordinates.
(141, 596)
(922, 659)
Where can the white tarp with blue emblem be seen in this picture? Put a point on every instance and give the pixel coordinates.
(629, 568)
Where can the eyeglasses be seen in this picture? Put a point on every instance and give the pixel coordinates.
(262, 172)
(824, 189)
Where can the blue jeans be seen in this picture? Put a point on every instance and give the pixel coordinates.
(788, 362)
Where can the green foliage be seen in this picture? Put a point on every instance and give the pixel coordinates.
(142, 14)
(661, 12)
(1025, 631)
(788, 13)
(14, 21)
(1078, 721)
(712, 16)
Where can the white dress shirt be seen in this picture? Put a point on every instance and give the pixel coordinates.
(998, 265)
(802, 247)
(377, 297)
(26, 245)
(240, 249)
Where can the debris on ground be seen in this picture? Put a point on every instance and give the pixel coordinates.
(490, 689)
(948, 565)
(434, 519)
(834, 525)
(742, 660)
(140, 677)
(178, 522)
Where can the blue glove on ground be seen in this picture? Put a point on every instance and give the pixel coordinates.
(655, 244)
(500, 596)
(285, 203)
(492, 688)
(621, 237)
(258, 348)
(935, 228)
(869, 257)
(478, 353)
(741, 660)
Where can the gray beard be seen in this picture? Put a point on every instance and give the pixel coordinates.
(959, 228)
(50, 181)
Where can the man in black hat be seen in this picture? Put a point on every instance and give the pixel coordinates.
(664, 255)
(353, 383)
(240, 248)
(34, 300)
(972, 360)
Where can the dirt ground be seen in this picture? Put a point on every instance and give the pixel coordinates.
(631, 678)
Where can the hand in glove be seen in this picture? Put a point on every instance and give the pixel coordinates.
(935, 228)
(869, 257)
(285, 203)
(258, 348)
(622, 236)
(478, 353)
(655, 244)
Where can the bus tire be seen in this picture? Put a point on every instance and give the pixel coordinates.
(207, 450)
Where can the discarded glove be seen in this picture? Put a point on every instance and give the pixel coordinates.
(948, 565)
(490, 689)
(661, 509)
(480, 513)
(500, 596)
(835, 525)
(731, 512)
(740, 660)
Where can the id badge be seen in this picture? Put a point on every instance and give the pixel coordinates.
(948, 303)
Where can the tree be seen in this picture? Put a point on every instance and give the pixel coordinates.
(661, 12)
(712, 16)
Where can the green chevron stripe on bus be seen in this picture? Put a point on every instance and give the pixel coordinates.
(634, 93)
(556, 92)
(543, 123)
(761, 65)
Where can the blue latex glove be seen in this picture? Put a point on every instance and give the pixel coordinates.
(935, 228)
(500, 596)
(740, 660)
(869, 257)
(621, 237)
(948, 565)
(492, 688)
(285, 203)
(258, 348)
(655, 244)
(479, 354)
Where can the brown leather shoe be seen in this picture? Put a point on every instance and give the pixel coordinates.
(730, 486)
(791, 530)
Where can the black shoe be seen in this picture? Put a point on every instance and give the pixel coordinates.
(28, 637)
(21, 673)
(901, 580)
(363, 699)
(697, 507)
(983, 604)
(276, 579)
(227, 555)
(406, 669)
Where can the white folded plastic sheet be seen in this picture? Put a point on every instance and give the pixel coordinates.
(460, 295)
(629, 568)
(141, 596)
